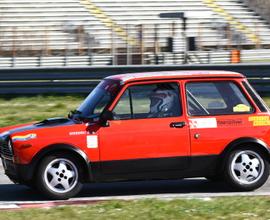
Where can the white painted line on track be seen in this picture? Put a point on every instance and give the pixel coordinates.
(9, 206)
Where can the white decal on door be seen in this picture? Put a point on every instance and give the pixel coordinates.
(203, 123)
(92, 141)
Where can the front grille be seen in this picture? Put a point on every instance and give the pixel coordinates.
(6, 149)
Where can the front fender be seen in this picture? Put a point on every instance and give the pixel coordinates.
(60, 148)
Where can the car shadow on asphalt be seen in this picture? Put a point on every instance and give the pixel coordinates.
(13, 192)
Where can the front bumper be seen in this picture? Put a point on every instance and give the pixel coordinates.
(17, 173)
(10, 169)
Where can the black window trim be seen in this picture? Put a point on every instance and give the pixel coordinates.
(130, 103)
(211, 81)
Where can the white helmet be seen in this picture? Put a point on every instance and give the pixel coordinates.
(162, 103)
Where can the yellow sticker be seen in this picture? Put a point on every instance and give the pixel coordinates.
(260, 120)
(241, 108)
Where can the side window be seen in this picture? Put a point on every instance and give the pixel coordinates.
(123, 108)
(216, 98)
(149, 101)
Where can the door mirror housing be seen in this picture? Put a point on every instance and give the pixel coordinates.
(105, 117)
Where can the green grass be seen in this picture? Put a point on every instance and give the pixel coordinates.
(217, 208)
(19, 110)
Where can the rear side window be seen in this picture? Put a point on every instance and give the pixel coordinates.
(256, 98)
(216, 98)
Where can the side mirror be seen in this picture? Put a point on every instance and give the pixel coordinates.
(105, 117)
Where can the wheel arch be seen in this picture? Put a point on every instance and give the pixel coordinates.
(55, 148)
(244, 141)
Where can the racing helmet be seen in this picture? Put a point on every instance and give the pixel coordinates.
(162, 102)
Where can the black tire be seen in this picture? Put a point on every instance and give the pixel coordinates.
(65, 182)
(246, 169)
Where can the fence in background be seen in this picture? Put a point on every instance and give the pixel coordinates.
(17, 81)
(133, 58)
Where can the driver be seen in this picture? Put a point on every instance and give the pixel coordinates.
(163, 103)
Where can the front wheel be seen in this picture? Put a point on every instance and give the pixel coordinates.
(246, 169)
(58, 177)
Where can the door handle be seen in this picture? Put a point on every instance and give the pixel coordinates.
(178, 124)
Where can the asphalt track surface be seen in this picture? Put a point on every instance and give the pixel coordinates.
(166, 189)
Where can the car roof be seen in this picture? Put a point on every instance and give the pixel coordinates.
(179, 74)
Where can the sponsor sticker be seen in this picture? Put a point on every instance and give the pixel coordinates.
(92, 141)
(241, 108)
(230, 122)
(24, 137)
(203, 123)
(72, 133)
(259, 120)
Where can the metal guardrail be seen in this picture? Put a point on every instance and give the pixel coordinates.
(130, 58)
(82, 80)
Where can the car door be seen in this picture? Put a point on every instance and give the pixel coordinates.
(146, 134)
(219, 112)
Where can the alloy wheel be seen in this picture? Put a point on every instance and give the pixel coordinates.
(61, 175)
(247, 167)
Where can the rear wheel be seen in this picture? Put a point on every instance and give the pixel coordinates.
(246, 169)
(58, 177)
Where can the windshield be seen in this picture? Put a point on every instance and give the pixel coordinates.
(99, 98)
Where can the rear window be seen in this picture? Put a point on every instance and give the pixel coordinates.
(216, 98)
(256, 98)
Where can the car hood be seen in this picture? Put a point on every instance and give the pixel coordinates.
(51, 122)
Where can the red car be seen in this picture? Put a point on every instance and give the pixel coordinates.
(160, 125)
